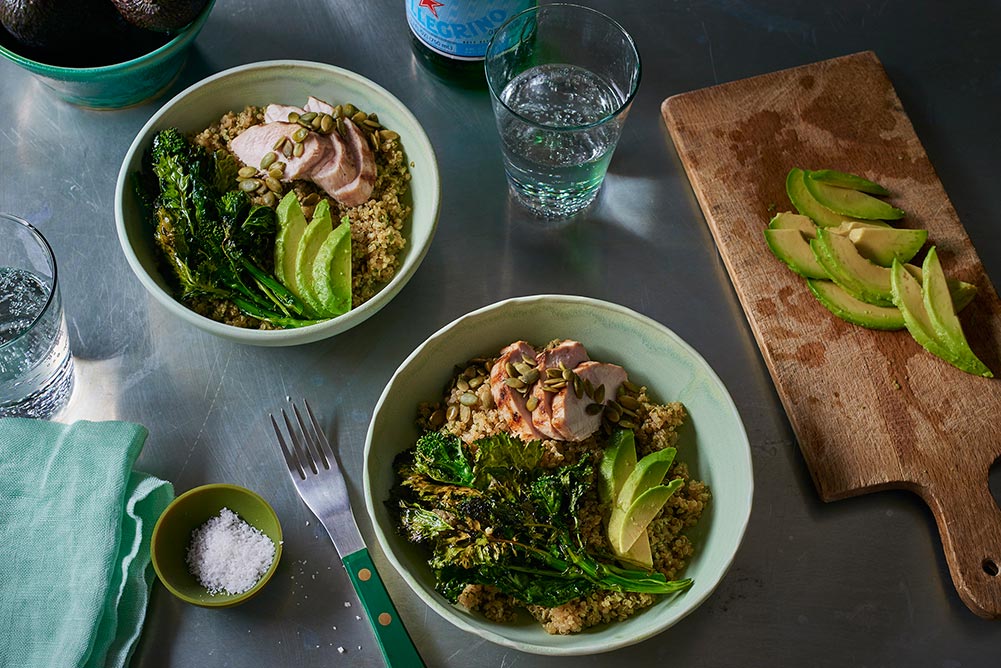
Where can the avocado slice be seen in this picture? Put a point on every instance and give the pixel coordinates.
(639, 554)
(842, 180)
(908, 298)
(939, 306)
(883, 245)
(791, 247)
(316, 233)
(291, 226)
(648, 473)
(806, 204)
(845, 265)
(787, 220)
(961, 291)
(641, 513)
(617, 462)
(842, 304)
(331, 277)
(851, 202)
(849, 225)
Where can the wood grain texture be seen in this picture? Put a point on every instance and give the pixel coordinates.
(871, 410)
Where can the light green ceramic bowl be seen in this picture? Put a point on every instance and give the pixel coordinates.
(714, 446)
(172, 535)
(122, 84)
(288, 82)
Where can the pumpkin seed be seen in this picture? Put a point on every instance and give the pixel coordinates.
(268, 159)
(308, 117)
(293, 117)
(554, 373)
(612, 416)
(315, 123)
(326, 123)
(532, 403)
(274, 185)
(279, 144)
(372, 124)
(388, 135)
(465, 413)
(550, 389)
(437, 419)
(359, 117)
(311, 199)
(632, 387)
(531, 376)
(627, 424)
(521, 368)
(468, 372)
(626, 411)
(337, 112)
(614, 406)
(629, 402)
(250, 185)
(588, 388)
(286, 148)
(511, 370)
(516, 383)
(247, 172)
(469, 399)
(452, 412)
(349, 110)
(599, 394)
(300, 134)
(476, 382)
(374, 140)
(340, 126)
(462, 384)
(578, 387)
(568, 375)
(262, 189)
(276, 172)
(373, 117)
(594, 409)
(270, 199)
(297, 151)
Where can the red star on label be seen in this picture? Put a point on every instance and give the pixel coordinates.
(432, 5)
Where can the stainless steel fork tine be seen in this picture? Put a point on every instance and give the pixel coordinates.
(304, 456)
(328, 454)
(310, 441)
(290, 461)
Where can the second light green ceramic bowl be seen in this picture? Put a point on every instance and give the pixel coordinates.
(714, 446)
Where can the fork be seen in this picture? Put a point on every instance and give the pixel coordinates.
(317, 477)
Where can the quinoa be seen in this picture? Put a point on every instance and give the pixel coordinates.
(378, 227)
(671, 548)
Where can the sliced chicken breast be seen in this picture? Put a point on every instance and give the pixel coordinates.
(336, 169)
(569, 354)
(253, 143)
(569, 414)
(280, 112)
(509, 401)
(359, 189)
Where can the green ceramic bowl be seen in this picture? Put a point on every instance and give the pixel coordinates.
(122, 84)
(713, 445)
(190, 510)
(289, 82)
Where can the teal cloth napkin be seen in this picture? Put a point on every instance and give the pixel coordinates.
(75, 528)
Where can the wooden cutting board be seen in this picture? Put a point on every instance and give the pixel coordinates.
(871, 410)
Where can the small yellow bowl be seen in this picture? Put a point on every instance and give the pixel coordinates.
(172, 535)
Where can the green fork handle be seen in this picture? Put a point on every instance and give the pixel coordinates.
(397, 648)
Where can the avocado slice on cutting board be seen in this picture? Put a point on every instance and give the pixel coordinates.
(842, 180)
(316, 233)
(907, 295)
(331, 273)
(882, 246)
(860, 277)
(291, 227)
(807, 205)
(787, 220)
(942, 315)
(849, 225)
(848, 202)
(641, 512)
(791, 247)
(845, 306)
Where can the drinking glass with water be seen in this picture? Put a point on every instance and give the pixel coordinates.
(36, 369)
(561, 78)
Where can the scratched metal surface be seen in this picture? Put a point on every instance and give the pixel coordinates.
(859, 582)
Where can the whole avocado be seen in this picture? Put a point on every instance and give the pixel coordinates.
(52, 23)
(159, 15)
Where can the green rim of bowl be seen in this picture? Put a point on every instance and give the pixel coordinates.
(181, 39)
(583, 643)
(218, 600)
(418, 143)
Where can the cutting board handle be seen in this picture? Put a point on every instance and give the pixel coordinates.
(969, 522)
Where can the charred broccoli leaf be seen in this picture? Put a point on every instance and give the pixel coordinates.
(214, 241)
(506, 522)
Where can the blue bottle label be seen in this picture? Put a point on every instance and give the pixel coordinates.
(460, 29)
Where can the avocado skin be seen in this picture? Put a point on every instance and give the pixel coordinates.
(159, 15)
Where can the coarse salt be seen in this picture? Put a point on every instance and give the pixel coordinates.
(228, 555)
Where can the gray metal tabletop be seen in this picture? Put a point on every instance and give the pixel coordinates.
(857, 582)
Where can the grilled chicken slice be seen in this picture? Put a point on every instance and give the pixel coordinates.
(569, 414)
(359, 189)
(569, 354)
(509, 401)
(253, 143)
